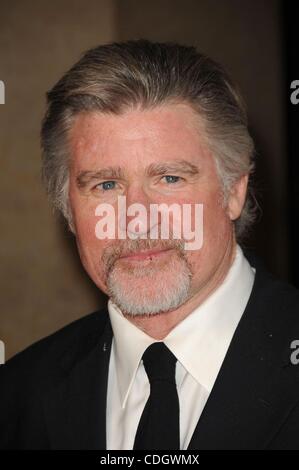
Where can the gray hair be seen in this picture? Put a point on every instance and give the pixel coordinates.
(115, 77)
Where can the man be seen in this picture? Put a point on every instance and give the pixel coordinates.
(194, 349)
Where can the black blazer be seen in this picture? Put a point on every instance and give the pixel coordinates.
(53, 395)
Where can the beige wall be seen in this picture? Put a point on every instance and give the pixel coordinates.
(43, 286)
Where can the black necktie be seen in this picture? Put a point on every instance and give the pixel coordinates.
(159, 425)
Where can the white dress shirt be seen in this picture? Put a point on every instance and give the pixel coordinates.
(199, 342)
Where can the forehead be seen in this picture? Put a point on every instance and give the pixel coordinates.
(162, 133)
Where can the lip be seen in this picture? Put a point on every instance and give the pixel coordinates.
(143, 255)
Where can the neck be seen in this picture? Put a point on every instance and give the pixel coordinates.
(158, 326)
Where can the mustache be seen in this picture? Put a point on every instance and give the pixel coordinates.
(127, 247)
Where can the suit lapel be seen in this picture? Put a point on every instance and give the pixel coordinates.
(254, 390)
(75, 408)
(253, 394)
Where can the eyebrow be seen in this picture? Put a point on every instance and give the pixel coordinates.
(84, 178)
(164, 168)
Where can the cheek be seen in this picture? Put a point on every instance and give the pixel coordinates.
(90, 251)
(89, 246)
(84, 217)
(216, 233)
(216, 219)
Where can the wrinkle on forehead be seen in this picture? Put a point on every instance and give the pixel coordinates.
(167, 132)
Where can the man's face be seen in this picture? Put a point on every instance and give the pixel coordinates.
(151, 157)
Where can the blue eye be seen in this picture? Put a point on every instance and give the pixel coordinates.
(107, 185)
(172, 179)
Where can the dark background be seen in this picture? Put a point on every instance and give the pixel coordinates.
(290, 39)
(43, 284)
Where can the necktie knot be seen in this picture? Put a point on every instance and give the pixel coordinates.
(159, 362)
(158, 428)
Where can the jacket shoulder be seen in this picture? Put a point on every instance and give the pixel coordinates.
(27, 376)
(274, 306)
(49, 350)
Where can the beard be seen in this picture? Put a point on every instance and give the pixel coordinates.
(151, 286)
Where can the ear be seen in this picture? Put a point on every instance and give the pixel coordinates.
(237, 197)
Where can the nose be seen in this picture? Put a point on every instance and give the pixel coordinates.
(137, 222)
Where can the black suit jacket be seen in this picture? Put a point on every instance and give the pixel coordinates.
(53, 395)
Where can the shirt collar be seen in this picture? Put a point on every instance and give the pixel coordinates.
(129, 344)
(199, 342)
